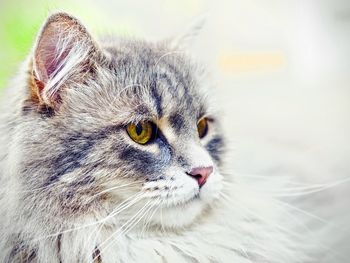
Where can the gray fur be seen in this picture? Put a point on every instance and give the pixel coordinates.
(129, 81)
(61, 154)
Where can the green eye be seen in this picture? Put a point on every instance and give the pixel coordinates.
(202, 127)
(141, 133)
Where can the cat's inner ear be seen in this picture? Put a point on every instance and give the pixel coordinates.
(61, 56)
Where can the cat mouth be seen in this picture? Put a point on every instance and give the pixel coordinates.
(182, 202)
(179, 213)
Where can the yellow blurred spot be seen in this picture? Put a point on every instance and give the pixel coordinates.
(251, 61)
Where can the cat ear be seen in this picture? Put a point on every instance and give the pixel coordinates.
(186, 38)
(61, 56)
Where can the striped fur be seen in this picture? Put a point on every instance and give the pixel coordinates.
(76, 188)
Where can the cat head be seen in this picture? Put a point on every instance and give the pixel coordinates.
(123, 127)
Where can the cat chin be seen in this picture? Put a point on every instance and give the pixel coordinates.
(179, 216)
(184, 214)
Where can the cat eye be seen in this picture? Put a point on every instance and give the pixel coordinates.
(142, 132)
(202, 127)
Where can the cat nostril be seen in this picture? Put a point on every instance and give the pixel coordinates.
(201, 174)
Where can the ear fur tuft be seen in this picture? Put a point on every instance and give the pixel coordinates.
(188, 36)
(61, 53)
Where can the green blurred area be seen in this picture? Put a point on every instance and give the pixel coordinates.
(20, 21)
(18, 27)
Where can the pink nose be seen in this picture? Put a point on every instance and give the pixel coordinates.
(201, 174)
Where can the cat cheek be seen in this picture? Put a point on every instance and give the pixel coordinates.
(215, 148)
(145, 164)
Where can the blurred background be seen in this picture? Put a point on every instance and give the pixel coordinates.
(281, 70)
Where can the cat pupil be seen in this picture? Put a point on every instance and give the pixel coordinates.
(138, 129)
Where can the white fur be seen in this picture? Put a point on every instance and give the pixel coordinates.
(231, 219)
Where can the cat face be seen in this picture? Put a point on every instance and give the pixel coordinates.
(120, 127)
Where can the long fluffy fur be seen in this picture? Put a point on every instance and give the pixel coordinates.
(244, 223)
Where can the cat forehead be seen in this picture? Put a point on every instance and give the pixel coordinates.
(155, 82)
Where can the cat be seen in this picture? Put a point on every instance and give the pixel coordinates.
(111, 152)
